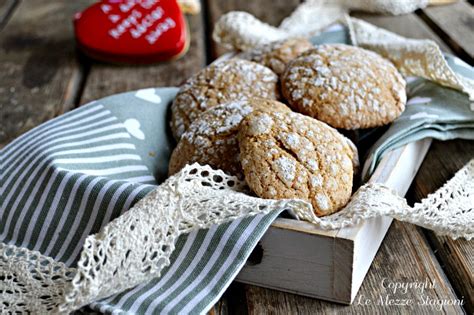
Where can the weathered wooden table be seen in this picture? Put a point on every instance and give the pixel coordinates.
(41, 76)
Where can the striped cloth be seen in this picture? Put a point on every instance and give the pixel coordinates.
(69, 177)
(204, 263)
(66, 179)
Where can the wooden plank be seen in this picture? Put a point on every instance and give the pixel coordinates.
(404, 258)
(269, 11)
(6, 9)
(287, 267)
(455, 23)
(40, 74)
(456, 256)
(106, 79)
(232, 302)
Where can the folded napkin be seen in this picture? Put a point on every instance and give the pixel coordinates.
(432, 111)
(71, 176)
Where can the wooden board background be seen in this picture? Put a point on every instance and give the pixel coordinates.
(42, 76)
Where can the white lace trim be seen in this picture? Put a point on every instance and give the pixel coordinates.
(131, 249)
(449, 211)
(30, 281)
(137, 246)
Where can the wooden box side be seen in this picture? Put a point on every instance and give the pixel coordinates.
(397, 171)
(295, 261)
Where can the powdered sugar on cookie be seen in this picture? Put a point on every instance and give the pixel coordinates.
(212, 138)
(276, 55)
(225, 81)
(298, 157)
(345, 86)
(286, 169)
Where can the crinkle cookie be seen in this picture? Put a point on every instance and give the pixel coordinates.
(212, 138)
(225, 81)
(345, 86)
(278, 54)
(290, 155)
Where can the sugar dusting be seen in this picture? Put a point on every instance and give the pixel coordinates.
(322, 202)
(263, 124)
(286, 169)
(349, 81)
(230, 80)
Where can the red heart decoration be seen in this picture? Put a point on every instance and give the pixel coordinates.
(132, 31)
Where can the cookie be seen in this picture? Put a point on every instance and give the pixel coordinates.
(212, 138)
(345, 86)
(278, 54)
(290, 155)
(225, 81)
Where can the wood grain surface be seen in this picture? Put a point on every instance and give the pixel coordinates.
(40, 71)
(455, 22)
(6, 8)
(456, 256)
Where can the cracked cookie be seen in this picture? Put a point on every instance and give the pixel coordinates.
(212, 138)
(225, 81)
(290, 155)
(345, 86)
(278, 54)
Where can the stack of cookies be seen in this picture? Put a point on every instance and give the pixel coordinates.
(269, 116)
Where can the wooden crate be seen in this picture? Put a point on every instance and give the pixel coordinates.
(297, 257)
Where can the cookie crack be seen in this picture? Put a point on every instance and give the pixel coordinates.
(288, 150)
(282, 145)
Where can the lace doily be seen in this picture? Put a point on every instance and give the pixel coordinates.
(423, 58)
(137, 246)
(241, 31)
